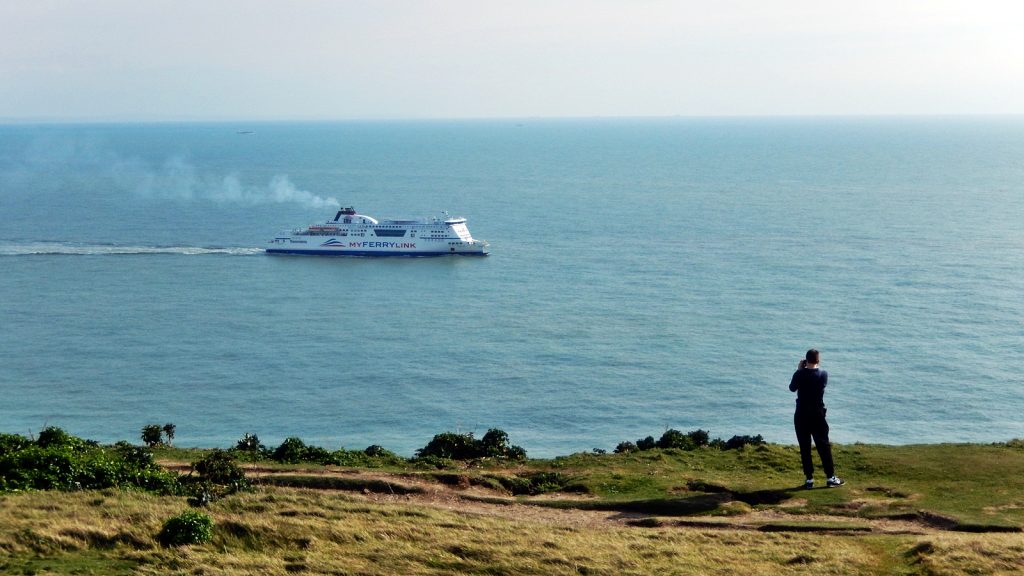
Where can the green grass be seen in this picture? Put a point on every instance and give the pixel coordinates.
(288, 531)
(81, 563)
(968, 486)
(973, 485)
(692, 512)
(299, 531)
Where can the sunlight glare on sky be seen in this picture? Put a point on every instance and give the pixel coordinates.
(303, 59)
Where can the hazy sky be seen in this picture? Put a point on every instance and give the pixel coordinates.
(232, 59)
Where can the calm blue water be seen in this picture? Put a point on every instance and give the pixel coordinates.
(645, 274)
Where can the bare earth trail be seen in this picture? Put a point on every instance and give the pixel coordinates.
(464, 498)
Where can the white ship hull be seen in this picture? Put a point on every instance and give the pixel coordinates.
(351, 234)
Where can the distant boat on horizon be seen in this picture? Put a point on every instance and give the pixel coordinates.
(245, 132)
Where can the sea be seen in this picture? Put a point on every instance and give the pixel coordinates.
(645, 274)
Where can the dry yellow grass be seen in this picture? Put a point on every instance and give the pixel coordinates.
(952, 554)
(281, 531)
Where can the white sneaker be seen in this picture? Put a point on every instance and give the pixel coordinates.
(809, 483)
(834, 481)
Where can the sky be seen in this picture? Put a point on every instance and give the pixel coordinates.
(157, 60)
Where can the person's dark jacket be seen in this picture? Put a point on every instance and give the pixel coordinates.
(809, 385)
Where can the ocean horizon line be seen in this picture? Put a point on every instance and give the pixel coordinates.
(298, 120)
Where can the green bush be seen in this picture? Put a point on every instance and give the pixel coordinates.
(375, 450)
(737, 442)
(455, 446)
(699, 438)
(291, 451)
(625, 447)
(294, 451)
(189, 527)
(250, 443)
(218, 476)
(53, 436)
(646, 443)
(495, 444)
(689, 441)
(318, 455)
(60, 461)
(451, 445)
(219, 467)
(249, 449)
(675, 439)
(136, 457)
(169, 430)
(152, 434)
(10, 443)
(372, 457)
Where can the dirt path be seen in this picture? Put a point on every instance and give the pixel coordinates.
(464, 498)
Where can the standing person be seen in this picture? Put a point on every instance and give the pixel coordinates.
(809, 383)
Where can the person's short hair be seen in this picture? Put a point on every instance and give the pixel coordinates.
(812, 356)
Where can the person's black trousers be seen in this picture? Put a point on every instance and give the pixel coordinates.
(813, 426)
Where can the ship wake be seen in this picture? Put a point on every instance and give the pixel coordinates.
(83, 249)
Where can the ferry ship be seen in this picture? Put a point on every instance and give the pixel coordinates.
(353, 234)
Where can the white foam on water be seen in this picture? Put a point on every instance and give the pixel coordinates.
(74, 249)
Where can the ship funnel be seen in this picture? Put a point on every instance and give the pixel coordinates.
(349, 211)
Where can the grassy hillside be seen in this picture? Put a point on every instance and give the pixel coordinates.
(929, 509)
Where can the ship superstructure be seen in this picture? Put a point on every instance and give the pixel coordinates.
(354, 234)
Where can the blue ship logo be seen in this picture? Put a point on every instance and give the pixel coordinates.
(334, 242)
